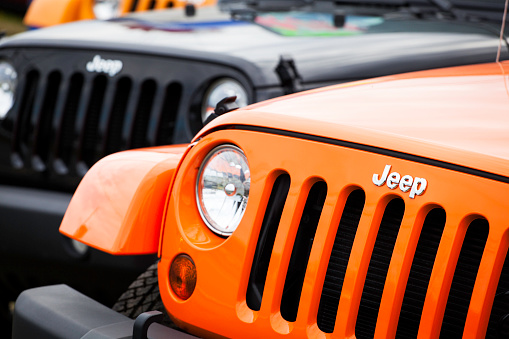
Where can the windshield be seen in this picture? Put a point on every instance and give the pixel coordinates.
(315, 24)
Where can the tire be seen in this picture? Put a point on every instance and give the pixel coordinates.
(142, 296)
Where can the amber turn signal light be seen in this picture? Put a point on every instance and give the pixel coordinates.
(183, 276)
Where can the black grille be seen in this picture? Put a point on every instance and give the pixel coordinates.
(22, 127)
(499, 318)
(338, 261)
(166, 124)
(89, 133)
(389, 220)
(69, 112)
(114, 134)
(464, 279)
(142, 116)
(66, 123)
(44, 123)
(134, 6)
(66, 127)
(301, 250)
(266, 241)
(422, 265)
(378, 267)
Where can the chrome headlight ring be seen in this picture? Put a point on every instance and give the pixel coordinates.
(222, 189)
(8, 85)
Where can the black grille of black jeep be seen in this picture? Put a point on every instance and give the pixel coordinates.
(69, 112)
(67, 123)
(416, 288)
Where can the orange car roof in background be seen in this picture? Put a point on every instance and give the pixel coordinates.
(43, 13)
(459, 115)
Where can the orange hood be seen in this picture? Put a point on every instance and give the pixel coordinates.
(458, 115)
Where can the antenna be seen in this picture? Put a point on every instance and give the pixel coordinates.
(502, 31)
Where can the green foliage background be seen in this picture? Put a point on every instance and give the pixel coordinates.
(11, 23)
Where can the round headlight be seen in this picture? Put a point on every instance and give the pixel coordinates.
(223, 189)
(8, 84)
(219, 90)
(106, 9)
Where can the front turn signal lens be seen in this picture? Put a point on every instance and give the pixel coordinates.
(183, 276)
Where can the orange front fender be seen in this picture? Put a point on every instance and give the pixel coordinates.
(118, 206)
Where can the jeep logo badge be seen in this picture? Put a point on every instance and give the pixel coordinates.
(417, 186)
(108, 66)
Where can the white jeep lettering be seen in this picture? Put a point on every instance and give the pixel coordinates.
(416, 186)
(406, 183)
(108, 66)
(393, 180)
(383, 177)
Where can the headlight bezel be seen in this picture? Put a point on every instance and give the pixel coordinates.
(8, 79)
(203, 211)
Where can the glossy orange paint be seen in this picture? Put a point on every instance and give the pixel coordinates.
(435, 114)
(43, 13)
(119, 204)
(121, 201)
(223, 265)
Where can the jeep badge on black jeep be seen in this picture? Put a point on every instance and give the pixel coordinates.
(108, 66)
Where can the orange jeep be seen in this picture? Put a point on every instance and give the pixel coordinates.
(43, 13)
(373, 209)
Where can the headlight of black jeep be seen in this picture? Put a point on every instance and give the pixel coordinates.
(220, 89)
(106, 9)
(222, 189)
(8, 84)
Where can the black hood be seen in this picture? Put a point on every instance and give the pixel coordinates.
(366, 46)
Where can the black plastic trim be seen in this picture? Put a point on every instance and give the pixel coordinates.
(59, 311)
(372, 149)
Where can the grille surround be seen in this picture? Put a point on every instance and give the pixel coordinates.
(333, 164)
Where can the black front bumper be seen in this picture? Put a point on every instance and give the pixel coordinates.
(34, 253)
(59, 311)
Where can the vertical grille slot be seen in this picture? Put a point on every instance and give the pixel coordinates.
(266, 240)
(464, 279)
(420, 273)
(44, 131)
(143, 110)
(338, 261)
(23, 128)
(497, 327)
(65, 142)
(116, 123)
(172, 98)
(134, 4)
(89, 136)
(378, 267)
(301, 251)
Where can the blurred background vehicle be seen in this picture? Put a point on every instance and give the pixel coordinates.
(42, 13)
